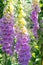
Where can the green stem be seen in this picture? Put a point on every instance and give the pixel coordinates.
(5, 59)
(42, 54)
(1, 8)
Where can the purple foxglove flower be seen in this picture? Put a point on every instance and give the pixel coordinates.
(24, 54)
(0, 32)
(22, 39)
(34, 17)
(7, 33)
(23, 49)
(36, 7)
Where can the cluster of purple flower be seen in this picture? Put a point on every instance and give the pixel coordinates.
(34, 17)
(23, 48)
(24, 54)
(7, 33)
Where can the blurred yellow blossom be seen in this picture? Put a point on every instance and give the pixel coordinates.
(24, 30)
(35, 2)
(22, 21)
(9, 8)
(22, 13)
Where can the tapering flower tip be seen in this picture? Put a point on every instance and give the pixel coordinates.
(35, 5)
(35, 2)
(34, 17)
(7, 31)
(24, 54)
(38, 9)
(9, 9)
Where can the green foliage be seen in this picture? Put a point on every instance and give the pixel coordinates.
(1, 8)
(9, 62)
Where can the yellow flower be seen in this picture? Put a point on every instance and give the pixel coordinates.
(5, 10)
(20, 7)
(35, 1)
(9, 9)
(22, 21)
(20, 16)
(24, 30)
(11, 1)
(22, 12)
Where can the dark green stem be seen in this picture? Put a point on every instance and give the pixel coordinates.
(42, 54)
(5, 63)
(1, 8)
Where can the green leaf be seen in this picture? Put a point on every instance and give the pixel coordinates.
(37, 59)
(30, 63)
(9, 62)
